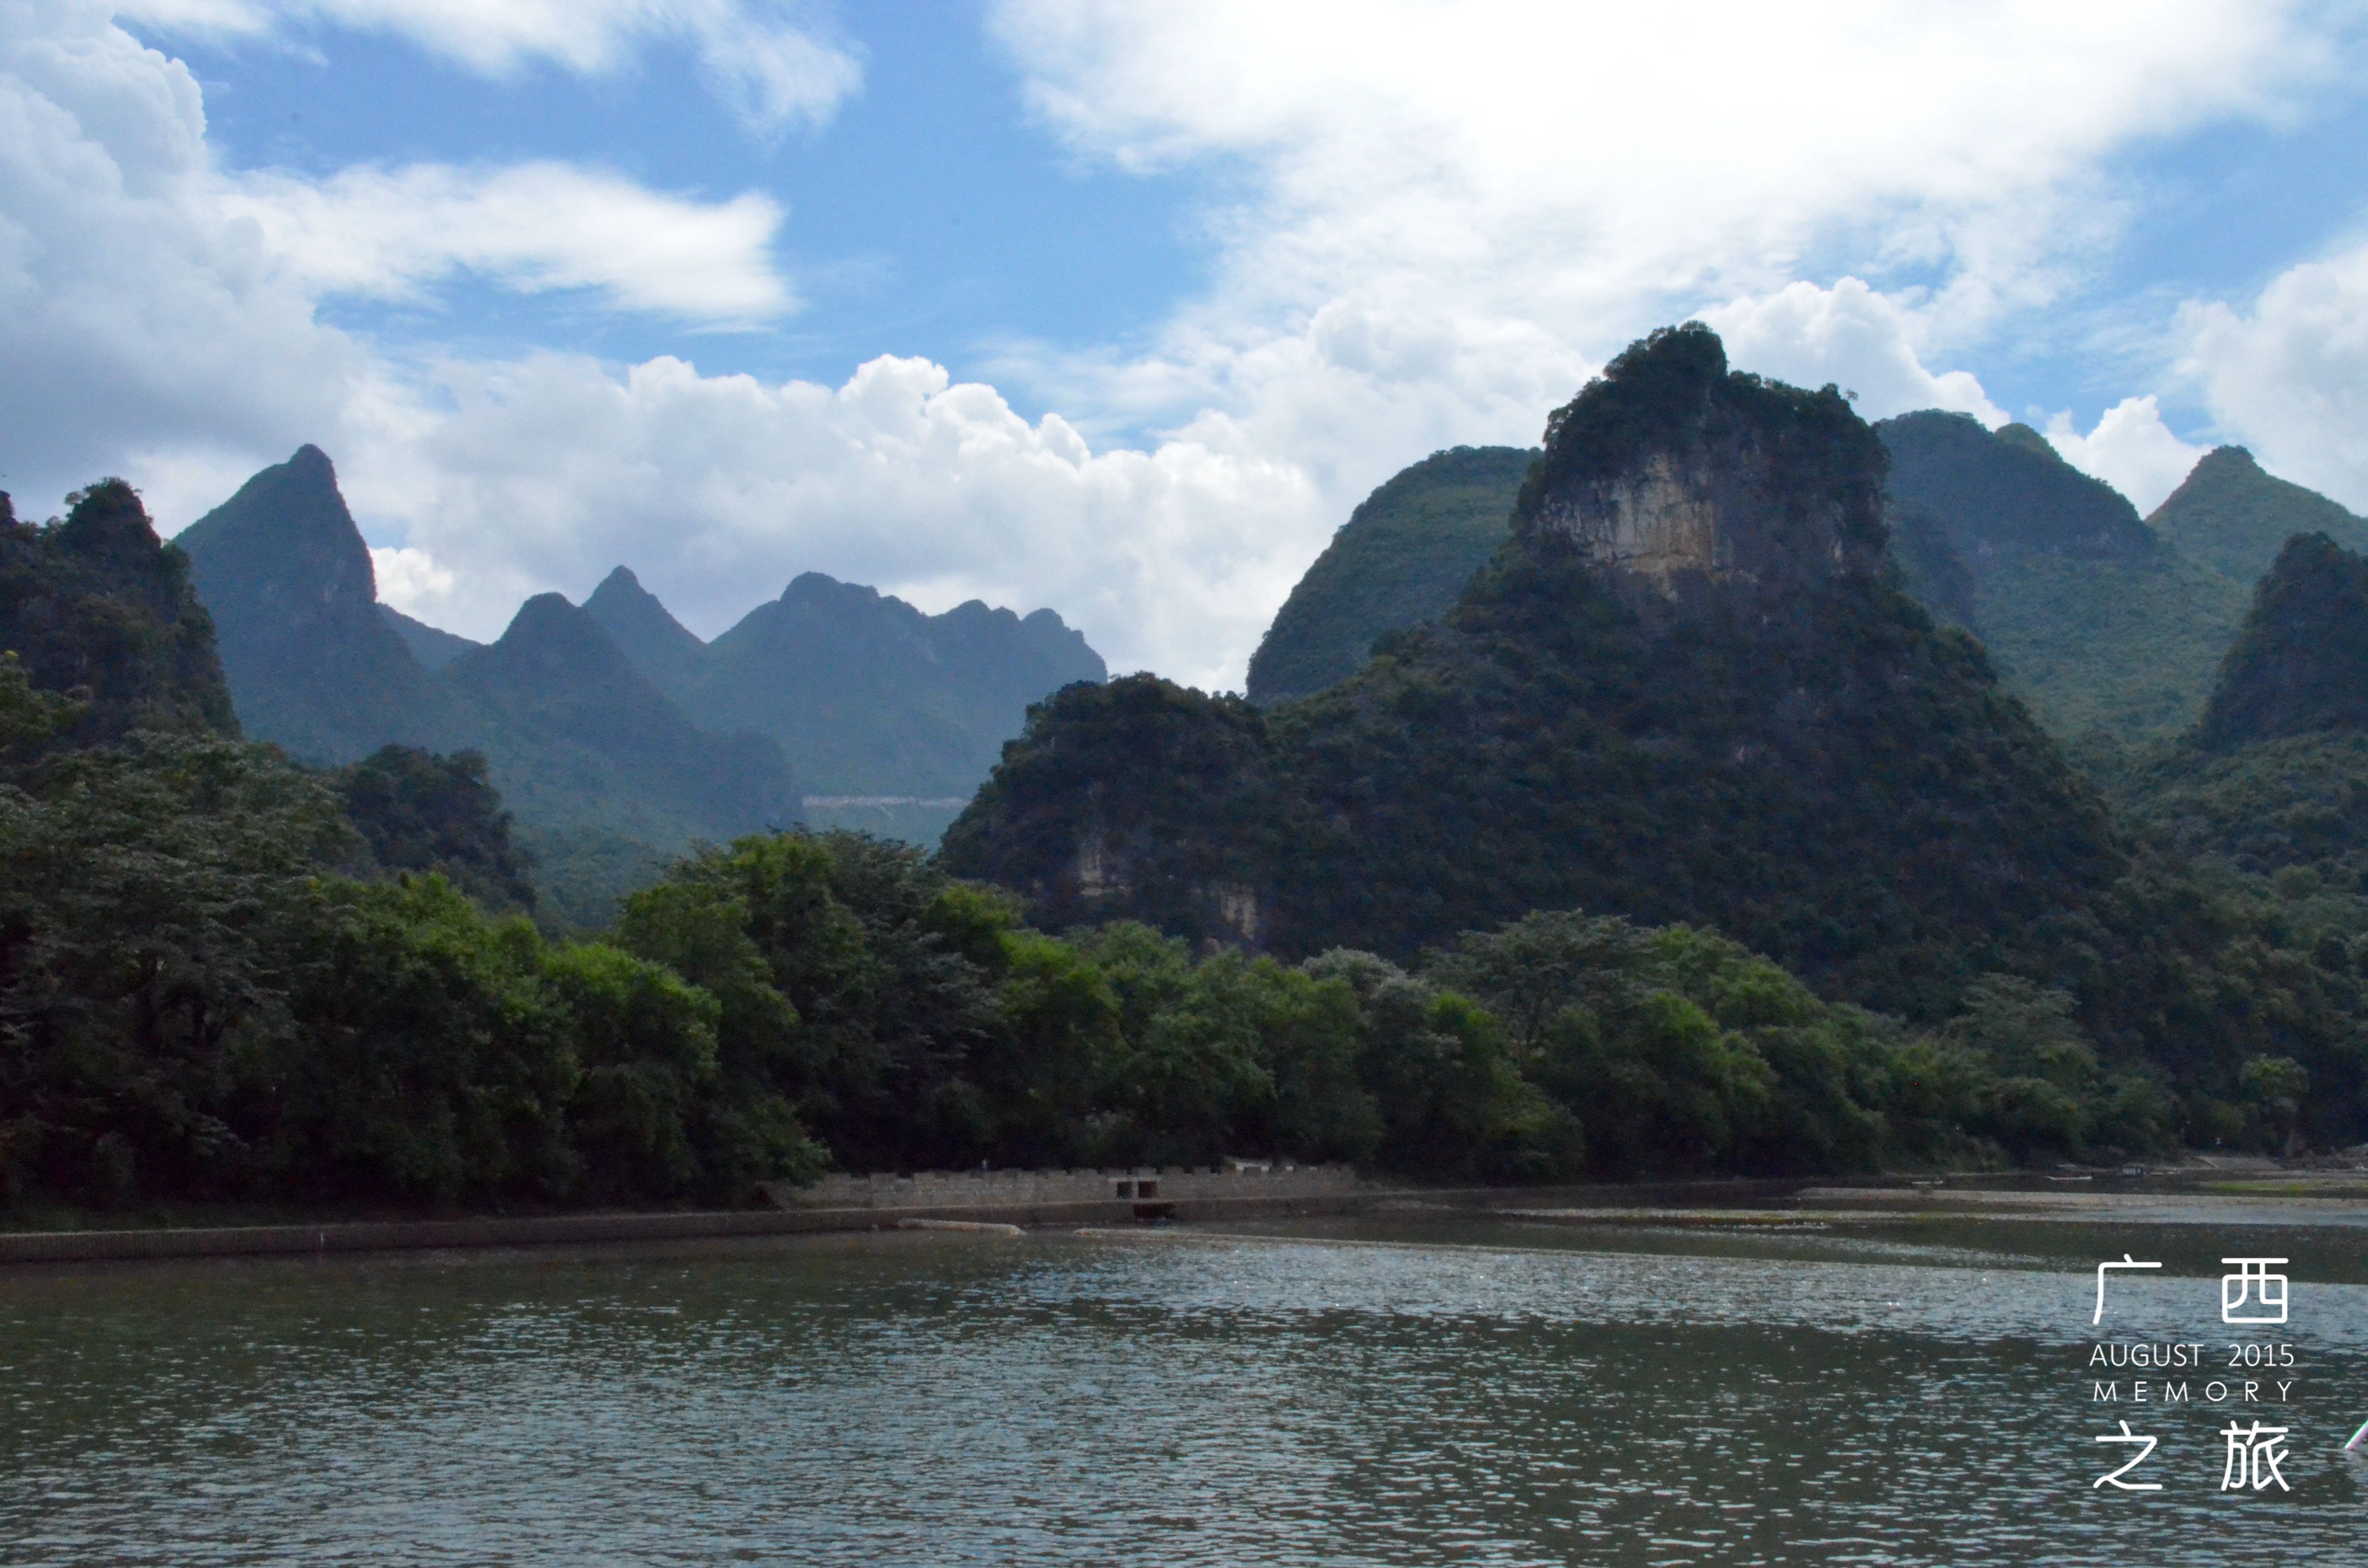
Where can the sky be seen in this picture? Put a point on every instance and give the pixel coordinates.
(1120, 309)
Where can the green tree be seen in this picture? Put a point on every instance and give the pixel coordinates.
(154, 906)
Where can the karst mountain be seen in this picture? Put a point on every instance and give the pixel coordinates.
(1688, 688)
(2106, 624)
(611, 718)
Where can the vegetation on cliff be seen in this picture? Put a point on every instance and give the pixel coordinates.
(2301, 662)
(226, 977)
(312, 660)
(609, 736)
(2105, 626)
(1791, 753)
(417, 811)
(95, 605)
(1682, 842)
(1403, 557)
(874, 697)
(1795, 755)
(2230, 516)
(2093, 619)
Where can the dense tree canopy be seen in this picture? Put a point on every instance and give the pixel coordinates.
(1740, 866)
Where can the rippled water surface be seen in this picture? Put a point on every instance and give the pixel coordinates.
(1445, 1392)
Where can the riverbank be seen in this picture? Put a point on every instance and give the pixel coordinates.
(570, 1229)
(2252, 1193)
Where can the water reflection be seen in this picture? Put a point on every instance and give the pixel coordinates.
(1430, 1392)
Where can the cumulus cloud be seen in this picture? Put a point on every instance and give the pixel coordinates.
(1434, 219)
(1851, 335)
(1567, 161)
(386, 234)
(2287, 376)
(2131, 449)
(1436, 223)
(414, 582)
(157, 316)
(718, 489)
(136, 317)
(773, 64)
(158, 319)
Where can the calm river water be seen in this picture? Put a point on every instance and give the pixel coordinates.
(1368, 1392)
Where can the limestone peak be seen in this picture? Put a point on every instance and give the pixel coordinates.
(1672, 471)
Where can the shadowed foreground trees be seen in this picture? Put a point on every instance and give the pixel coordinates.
(193, 1007)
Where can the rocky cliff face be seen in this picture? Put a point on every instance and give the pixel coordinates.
(1697, 480)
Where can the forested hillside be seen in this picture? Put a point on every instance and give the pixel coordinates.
(312, 663)
(2300, 665)
(95, 605)
(2230, 516)
(226, 978)
(2107, 627)
(1731, 718)
(1687, 691)
(1403, 556)
(2092, 619)
(579, 738)
(876, 698)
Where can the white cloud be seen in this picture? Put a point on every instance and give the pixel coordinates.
(771, 65)
(2288, 376)
(2131, 449)
(1433, 219)
(717, 490)
(136, 319)
(414, 582)
(1441, 220)
(1849, 335)
(157, 317)
(385, 234)
(1566, 163)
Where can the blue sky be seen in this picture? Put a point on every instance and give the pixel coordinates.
(929, 216)
(1112, 307)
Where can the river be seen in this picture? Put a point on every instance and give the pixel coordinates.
(1443, 1389)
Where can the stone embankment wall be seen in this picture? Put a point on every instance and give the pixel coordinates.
(1008, 1189)
(837, 1203)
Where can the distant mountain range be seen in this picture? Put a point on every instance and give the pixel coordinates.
(2101, 621)
(865, 694)
(612, 718)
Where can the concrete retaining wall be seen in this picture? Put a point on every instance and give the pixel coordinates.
(572, 1229)
(1001, 1189)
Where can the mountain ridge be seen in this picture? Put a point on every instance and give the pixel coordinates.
(2234, 517)
(283, 569)
(878, 698)
(1685, 690)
